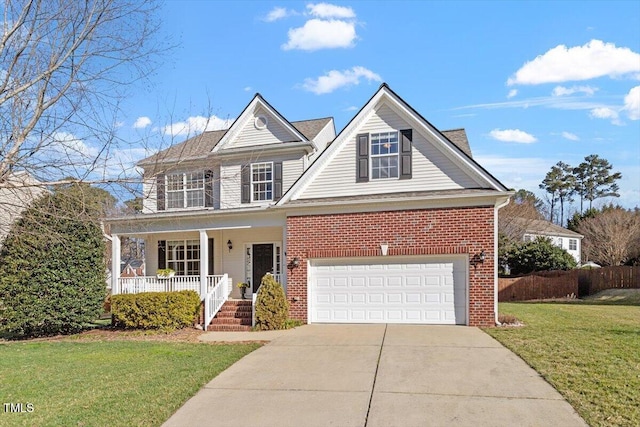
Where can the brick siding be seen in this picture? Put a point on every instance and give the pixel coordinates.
(411, 232)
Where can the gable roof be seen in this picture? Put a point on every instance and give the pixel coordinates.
(201, 145)
(459, 138)
(257, 102)
(546, 228)
(462, 152)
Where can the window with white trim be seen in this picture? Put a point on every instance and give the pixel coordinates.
(573, 245)
(183, 256)
(185, 190)
(384, 155)
(262, 181)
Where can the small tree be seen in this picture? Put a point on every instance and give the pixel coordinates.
(52, 269)
(272, 307)
(538, 255)
(611, 236)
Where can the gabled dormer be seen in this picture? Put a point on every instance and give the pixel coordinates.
(388, 149)
(250, 164)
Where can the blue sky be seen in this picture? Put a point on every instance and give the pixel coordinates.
(532, 83)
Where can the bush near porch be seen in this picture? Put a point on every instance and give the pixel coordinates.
(155, 310)
(272, 307)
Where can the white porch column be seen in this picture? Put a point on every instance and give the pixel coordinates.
(204, 262)
(115, 264)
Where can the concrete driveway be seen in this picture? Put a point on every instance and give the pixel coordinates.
(375, 376)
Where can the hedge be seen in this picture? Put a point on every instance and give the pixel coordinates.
(155, 310)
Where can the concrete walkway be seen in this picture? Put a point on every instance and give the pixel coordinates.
(375, 376)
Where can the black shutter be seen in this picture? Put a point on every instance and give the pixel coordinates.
(362, 158)
(277, 180)
(405, 153)
(162, 254)
(246, 184)
(208, 189)
(210, 256)
(160, 195)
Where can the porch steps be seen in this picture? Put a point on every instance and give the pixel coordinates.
(235, 315)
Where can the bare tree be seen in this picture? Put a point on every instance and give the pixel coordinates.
(64, 64)
(514, 218)
(611, 237)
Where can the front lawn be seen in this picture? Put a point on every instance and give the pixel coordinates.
(114, 383)
(589, 353)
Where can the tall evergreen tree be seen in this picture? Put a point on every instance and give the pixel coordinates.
(560, 184)
(594, 180)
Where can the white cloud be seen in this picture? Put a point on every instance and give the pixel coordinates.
(512, 93)
(247, 88)
(321, 34)
(195, 125)
(277, 13)
(512, 135)
(351, 108)
(142, 122)
(632, 103)
(563, 91)
(335, 79)
(326, 10)
(570, 136)
(606, 113)
(594, 59)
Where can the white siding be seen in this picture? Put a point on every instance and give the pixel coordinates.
(230, 186)
(432, 170)
(149, 196)
(291, 171)
(250, 136)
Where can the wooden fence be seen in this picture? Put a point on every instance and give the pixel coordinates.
(559, 284)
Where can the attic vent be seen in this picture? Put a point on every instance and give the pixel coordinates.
(260, 122)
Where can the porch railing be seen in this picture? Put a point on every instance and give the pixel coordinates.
(218, 290)
(136, 285)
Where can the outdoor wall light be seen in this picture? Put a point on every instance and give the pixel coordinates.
(482, 255)
(229, 245)
(295, 263)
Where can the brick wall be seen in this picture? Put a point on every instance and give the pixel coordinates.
(410, 232)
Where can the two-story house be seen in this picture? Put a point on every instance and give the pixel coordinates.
(562, 237)
(389, 221)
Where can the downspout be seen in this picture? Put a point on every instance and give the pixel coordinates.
(495, 256)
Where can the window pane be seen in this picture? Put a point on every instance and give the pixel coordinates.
(384, 155)
(262, 181)
(195, 180)
(175, 199)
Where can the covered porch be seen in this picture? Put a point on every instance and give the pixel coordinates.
(211, 261)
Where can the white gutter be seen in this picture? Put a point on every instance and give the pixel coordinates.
(495, 256)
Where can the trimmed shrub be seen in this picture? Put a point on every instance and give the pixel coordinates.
(272, 307)
(52, 267)
(155, 310)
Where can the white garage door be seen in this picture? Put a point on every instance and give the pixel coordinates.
(427, 290)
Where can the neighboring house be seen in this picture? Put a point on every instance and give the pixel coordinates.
(390, 221)
(563, 238)
(132, 268)
(17, 191)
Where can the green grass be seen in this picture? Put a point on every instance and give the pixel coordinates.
(589, 353)
(113, 383)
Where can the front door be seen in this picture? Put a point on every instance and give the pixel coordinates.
(262, 263)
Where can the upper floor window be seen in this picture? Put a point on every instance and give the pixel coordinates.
(384, 155)
(573, 244)
(262, 181)
(185, 190)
